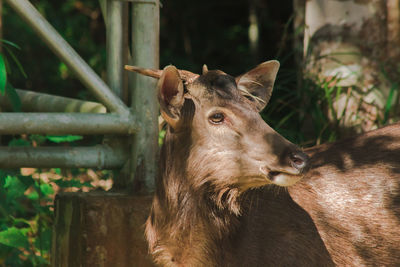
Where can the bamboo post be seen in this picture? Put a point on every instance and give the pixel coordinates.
(66, 123)
(114, 14)
(114, 33)
(40, 102)
(145, 53)
(99, 156)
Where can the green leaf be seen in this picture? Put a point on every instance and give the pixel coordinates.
(63, 70)
(388, 105)
(10, 43)
(26, 180)
(19, 221)
(44, 239)
(46, 189)
(15, 188)
(63, 138)
(284, 119)
(7, 64)
(19, 65)
(38, 138)
(38, 260)
(15, 237)
(161, 136)
(13, 97)
(3, 75)
(19, 142)
(33, 195)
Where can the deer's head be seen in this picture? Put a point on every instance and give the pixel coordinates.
(231, 147)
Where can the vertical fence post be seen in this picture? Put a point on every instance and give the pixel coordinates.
(114, 45)
(114, 19)
(145, 53)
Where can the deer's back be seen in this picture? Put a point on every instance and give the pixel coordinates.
(352, 193)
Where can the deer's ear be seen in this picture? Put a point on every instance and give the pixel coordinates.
(170, 95)
(259, 82)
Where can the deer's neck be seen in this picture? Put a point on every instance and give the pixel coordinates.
(185, 227)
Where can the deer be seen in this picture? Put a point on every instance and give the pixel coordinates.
(218, 199)
(352, 193)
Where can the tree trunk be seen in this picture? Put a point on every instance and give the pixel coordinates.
(253, 31)
(354, 45)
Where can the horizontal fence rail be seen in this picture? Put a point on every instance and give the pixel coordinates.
(99, 156)
(67, 54)
(40, 102)
(67, 123)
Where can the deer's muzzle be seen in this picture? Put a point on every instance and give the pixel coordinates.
(286, 176)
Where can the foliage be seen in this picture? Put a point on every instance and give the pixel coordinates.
(26, 209)
(66, 138)
(26, 206)
(26, 195)
(5, 69)
(26, 201)
(26, 219)
(392, 105)
(80, 23)
(3, 75)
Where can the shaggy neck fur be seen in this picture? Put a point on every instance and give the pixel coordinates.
(188, 225)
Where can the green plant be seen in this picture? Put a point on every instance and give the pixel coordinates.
(306, 115)
(26, 206)
(5, 69)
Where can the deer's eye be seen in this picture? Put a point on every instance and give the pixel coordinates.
(216, 118)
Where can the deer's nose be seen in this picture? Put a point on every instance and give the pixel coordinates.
(299, 160)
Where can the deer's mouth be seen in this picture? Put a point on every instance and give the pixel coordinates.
(281, 177)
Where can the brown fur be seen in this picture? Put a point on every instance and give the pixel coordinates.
(206, 210)
(352, 193)
(187, 227)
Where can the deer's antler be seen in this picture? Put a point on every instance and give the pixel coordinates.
(186, 76)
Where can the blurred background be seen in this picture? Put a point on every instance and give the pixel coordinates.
(193, 33)
(338, 77)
